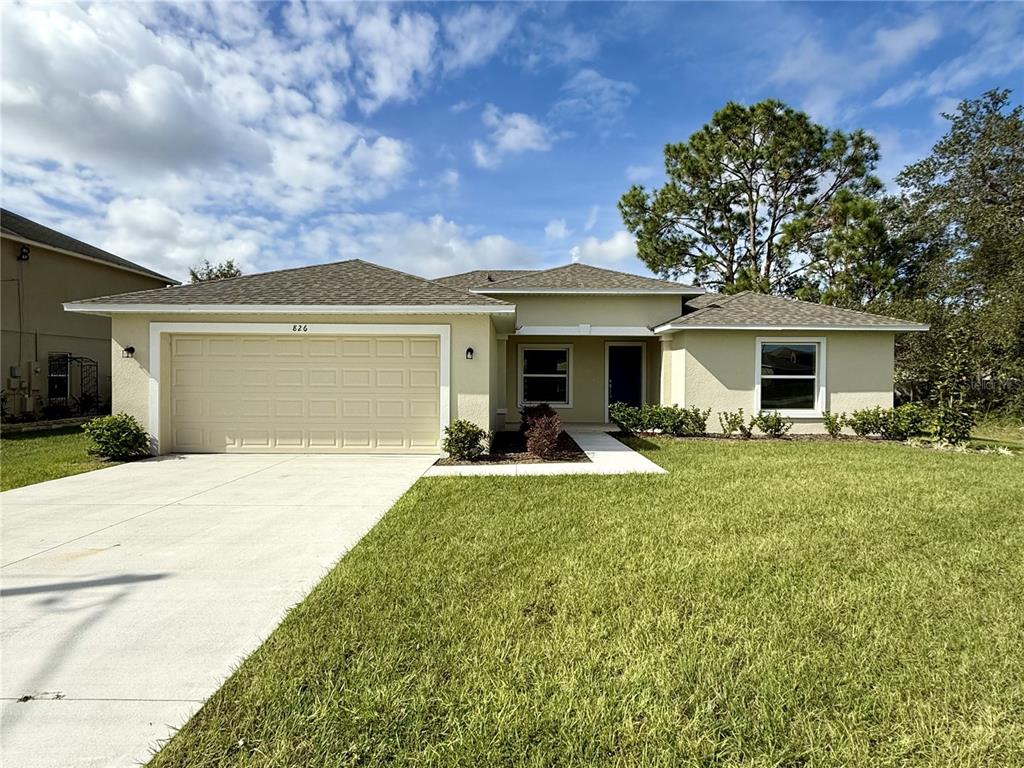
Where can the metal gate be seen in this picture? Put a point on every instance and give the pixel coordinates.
(72, 384)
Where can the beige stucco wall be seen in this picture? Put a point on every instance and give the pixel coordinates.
(570, 310)
(470, 379)
(47, 280)
(587, 377)
(716, 369)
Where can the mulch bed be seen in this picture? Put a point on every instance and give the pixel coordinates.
(510, 448)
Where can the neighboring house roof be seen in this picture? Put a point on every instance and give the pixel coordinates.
(479, 278)
(571, 278)
(759, 311)
(19, 228)
(340, 286)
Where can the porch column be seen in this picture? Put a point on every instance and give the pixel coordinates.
(500, 392)
(665, 396)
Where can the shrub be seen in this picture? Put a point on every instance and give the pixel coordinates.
(907, 420)
(667, 419)
(118, 437)
(834, 423)
(542, 435)
(629, 418)
(951, 424)
(771, 424)
(531, 412)
(733, 422)
(866, 421)
(688, 422)
(464, 440)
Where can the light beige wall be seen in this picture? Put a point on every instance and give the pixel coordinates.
(587, 378)
(470, 379)
(715, 369)
(562, 310)
(47, 280)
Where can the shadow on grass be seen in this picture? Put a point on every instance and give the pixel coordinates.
(37, 433)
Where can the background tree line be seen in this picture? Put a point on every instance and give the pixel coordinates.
(762, 198)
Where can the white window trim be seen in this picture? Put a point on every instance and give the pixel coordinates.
(819, 375)
(287, 329)
(607, 370)
(568, 379)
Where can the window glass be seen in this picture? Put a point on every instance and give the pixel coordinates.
(545, 361)
(545, 389)
(787, 394)
(781, 359)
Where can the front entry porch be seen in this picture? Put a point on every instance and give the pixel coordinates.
(579, 376)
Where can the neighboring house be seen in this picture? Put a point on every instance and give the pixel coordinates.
(357, 357)
(53, 361)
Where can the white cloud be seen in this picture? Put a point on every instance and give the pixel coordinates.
(591, 218)
(588, 95)
(395, 54)
(638, 174)
(996, 52)
(428, 247)
(474, 34)
(511, 133)
(832, 74)
(615, 252)
(557, 229)
(450, 178)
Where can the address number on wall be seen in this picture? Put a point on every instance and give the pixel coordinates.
(300, 328)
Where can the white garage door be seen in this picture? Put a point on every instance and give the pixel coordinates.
(305, 394)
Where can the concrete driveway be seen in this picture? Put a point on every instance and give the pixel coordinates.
(128, 594)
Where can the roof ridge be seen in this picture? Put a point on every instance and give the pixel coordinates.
(538, 272)
(458, 291)
(516, 277)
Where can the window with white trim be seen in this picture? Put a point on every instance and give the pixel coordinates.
(545, 371)
(789, 376)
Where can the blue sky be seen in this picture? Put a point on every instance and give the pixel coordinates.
(437, 138)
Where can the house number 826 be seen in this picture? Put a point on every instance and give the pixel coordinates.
(300, 328)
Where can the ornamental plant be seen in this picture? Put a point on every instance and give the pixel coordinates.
(119, 437)
(733, 422)
(542, 435)
(772, 424)
(464, 440)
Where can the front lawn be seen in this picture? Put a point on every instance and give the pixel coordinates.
(32, 457)
(765, 604)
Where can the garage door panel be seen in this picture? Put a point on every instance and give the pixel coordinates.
(306, 394)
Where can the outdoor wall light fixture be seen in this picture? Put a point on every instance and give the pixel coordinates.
(469, 353)
(128, 352)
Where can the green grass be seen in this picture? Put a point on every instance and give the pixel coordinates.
(766, 604)
(997, 431)
(32, 457)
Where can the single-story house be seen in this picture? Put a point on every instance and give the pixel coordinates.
(356, 357)
(52, 361)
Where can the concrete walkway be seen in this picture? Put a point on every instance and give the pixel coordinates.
(607, 457)
(128, 594)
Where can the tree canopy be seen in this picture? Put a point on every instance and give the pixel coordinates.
(207, 271)
(751, 200)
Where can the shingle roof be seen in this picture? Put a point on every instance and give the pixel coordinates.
(758, 310)
(353, 283)
(13, 224)
(480, 278)
(579, 278)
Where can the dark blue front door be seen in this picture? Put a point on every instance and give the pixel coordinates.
(625, 374)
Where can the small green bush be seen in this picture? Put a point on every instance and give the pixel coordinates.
(733, 422)
(628, 417)
(666, 419)
(542, 435)
(951, 424)
(118, 437)
(834, 423)
(464, 440)
(866, 421)
(771, 424)
(907, 420)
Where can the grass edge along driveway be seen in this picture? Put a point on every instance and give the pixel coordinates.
(765, 604)
(27, 458)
